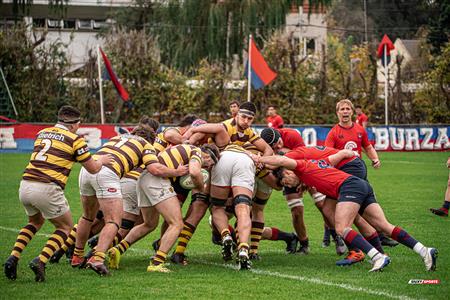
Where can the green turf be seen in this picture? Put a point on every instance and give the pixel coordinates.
(407, 185)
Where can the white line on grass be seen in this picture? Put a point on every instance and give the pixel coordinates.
(269, 273)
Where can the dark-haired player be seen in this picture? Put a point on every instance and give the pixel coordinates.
(354, 196)
(41, 190)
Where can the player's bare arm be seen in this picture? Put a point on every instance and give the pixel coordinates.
(262, 146)
(94, 166)
(161, 170)
(342, 154)
(373, 155)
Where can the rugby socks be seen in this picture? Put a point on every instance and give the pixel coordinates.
(280, 235)
(326, 233)
(224, 233)
(374, 240)
(333, 233)
(78, 252)
(55, 242)
(99, 256)
(184, 237)
(70, 241)
(24, 237)
(159, 258)
(243, 246)
(255, 236)
(404, 238)
(116, 240)
(123, 246)
(446, 205)
(356, 241)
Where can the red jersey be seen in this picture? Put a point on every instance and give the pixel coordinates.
(275, 121)
(353, 138)
(321, 175)
(360, 119)
(291, 138)
(317, 153)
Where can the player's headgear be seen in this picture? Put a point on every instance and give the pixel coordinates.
(271, 136)
(248, 108)
(69, 115)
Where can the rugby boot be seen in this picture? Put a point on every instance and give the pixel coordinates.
(38, 267)
(341, 248)
(244, 260)
(353, 257)
(161, 268)
(227, 248)
(430, 259)
(98, 266)
(304, 247)
(442, 211)
(10, 267)
(326, 243)
(291, 244)
(78, 262)
(385, 241)
(179, 259)
(380, 263)
(56, 256)
(114, 258)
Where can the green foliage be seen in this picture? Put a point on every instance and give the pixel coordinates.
(406, 186)
(34, 72)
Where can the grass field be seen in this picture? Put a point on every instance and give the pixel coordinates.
(407, 185)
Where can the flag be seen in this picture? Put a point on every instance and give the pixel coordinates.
(381, 47)
(261, 74)
(111, 75)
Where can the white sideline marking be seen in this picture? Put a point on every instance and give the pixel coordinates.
(268, 273)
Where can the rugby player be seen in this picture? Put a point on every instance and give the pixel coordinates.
(156, 195)
(354, 196)
(349, 135)
(41, 190)
(103, 191)
(443, 211)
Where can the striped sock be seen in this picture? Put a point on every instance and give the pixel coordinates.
(78, 252)
(70, 239)
(159, 258)
(184, 237)
(123, 246)
(374, 240)
(116, 240)
(55, 242)
(224, 233)
(356, 241)
(243, 245)
(255, 236)
(24, 237)
(99, 256)
(403, 237)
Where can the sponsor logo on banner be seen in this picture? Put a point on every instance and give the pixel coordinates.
(20, 137)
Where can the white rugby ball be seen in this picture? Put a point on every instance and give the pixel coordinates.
(187, 183)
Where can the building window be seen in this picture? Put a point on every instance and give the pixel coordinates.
(39, 23)
(54, 23)
(69, 24)
(84, 24)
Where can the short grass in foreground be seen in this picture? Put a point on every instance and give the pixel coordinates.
(407, 185)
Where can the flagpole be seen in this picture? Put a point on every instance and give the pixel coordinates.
(249, 71)
(102, 112)
(386, 82)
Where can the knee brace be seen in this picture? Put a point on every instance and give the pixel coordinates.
(218, 202)
(295, 203)
(127, 224)
(260, 201)
(200, 197)
(242, 199)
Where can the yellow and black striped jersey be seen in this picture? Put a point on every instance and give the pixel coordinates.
(237, 137)
(135, 173)
(160, 142)
(128, 152)
(55, 151)
(234, 148)
(180, 155)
